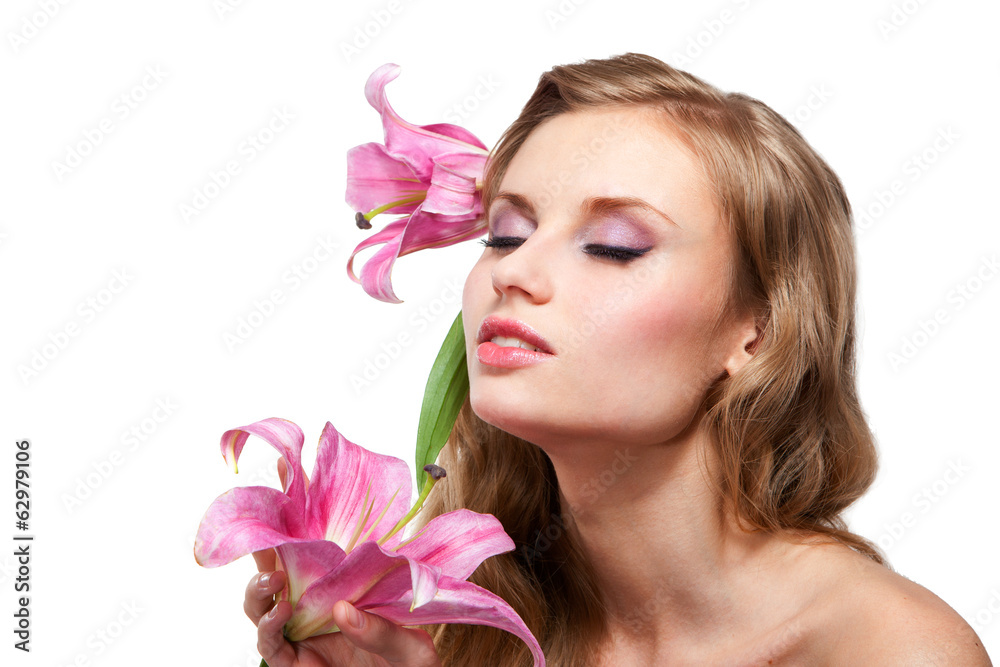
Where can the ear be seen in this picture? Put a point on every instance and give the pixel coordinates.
(746, 335)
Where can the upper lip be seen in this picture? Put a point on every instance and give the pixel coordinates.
(498, 326)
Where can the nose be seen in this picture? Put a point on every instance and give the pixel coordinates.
(526, 271)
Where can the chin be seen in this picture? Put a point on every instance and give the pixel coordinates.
(504, 411)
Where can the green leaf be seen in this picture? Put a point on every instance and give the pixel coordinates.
(447, 387)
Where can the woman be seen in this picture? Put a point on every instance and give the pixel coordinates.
(673, 451)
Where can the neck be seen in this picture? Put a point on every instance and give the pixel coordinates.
(672, 567)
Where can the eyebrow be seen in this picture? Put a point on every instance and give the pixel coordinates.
(590, 206)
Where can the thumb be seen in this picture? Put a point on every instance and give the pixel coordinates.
(393, 643)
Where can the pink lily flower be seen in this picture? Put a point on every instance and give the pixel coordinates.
(431, 173)
(341, 537)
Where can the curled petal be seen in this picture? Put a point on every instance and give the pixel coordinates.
(459, 601)
(351, 487)
(457, 542)
(375, 274)
(424, 583)
(421, 230)
(453, 185)
(244, 520)
(281, 434)
(414, 144)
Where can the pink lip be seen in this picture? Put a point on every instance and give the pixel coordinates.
(498, 326)
(492, 354)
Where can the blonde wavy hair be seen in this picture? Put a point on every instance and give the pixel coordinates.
(792, 442)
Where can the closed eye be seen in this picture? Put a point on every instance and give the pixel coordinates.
(616, 253)
(502, 242)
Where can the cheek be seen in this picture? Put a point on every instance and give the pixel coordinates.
(472, 293)
(656, 331)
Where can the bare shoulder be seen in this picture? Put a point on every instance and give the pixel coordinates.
(873, 615)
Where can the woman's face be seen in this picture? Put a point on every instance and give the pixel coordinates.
(633, 348)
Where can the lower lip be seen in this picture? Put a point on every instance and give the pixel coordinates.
(492, 354)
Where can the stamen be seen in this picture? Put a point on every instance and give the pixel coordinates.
(363, 520)
(435, 471)
(384, 510)
(415, 536)
(362, 220)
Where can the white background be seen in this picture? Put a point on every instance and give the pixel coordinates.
(115, 547)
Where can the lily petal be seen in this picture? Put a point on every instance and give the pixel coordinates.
(281, 434)
(459, 601)
(375, 274)
(375, 178)
(424, 582)
(368, 573)
(351, 487)
(457, 542)
(306, 562)
(453, 185)
(244, 520)
(457, 132)
(414, 144)
(421, 230)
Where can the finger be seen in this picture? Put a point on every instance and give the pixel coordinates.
(265, 560)
(395, 644)
(271, 642)
(259, 597)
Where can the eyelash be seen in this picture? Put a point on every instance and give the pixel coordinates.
(617, 254)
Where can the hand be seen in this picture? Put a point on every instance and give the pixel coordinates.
(365, 639)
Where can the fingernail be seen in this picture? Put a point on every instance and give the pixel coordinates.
(357, 620)
(274, 612)
(264, 579)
